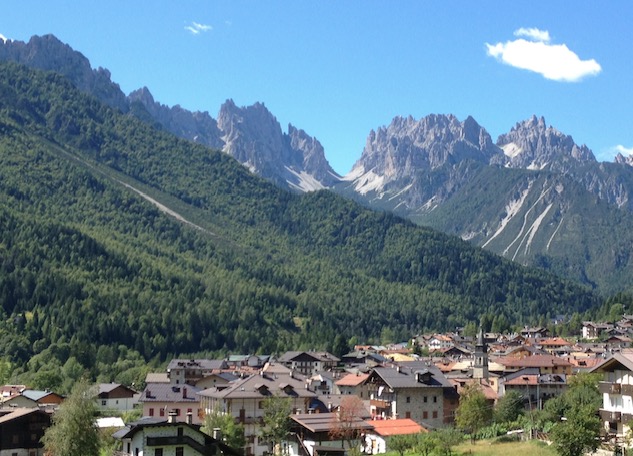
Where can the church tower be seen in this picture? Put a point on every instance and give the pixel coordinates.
(480, 368)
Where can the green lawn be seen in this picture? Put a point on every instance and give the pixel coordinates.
(486, 448)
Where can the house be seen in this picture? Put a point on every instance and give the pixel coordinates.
(158, 399)
(219, 380)
(114, 396)
(617, 395)
(33, 399)
(376, 439)
(546, 364)
(534, 332)
(440, 342)
(21, 431)
(245, 400)
(324, 382)
(534, 387)
(415, 391)
(156, 437)
(555, 345)
(363, 357)
(181, 371)
(591, 330)
(308, 362)
(319, 433)
(354, 384)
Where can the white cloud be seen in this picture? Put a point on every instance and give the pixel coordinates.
(553, 61)
(620, 149)
(534, 33)
(196, 28)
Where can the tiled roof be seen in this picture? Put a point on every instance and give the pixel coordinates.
(400, 426)
(352, 380)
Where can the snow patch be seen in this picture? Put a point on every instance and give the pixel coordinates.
(511, 150)
(3, 38)
(536, 167)
(307, 182)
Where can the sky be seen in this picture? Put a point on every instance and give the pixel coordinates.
(338, 69)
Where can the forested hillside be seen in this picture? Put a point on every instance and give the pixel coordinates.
(93, 276)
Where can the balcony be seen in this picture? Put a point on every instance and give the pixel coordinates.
(180, 440)
(607, 415)
(610, 388)
(380, 404)
(627, 390)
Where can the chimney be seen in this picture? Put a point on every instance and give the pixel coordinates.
(189, 418)
(172, 416)
(184, 393)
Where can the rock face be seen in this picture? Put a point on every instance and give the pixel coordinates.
(531, 144)
(194, 126)
(254, 137)
(401, 158)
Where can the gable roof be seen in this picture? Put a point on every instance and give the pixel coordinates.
(386, 428)
(16, 413)
(209, 442)
(322, 356)
(164, 392)
(263, 385)
(352, 380)
(413, 375)
(324, 422)
(37, 395)
(617, 360)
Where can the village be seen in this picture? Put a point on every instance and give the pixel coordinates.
(405, 388)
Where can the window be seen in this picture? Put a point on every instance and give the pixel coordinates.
(407, 415)
(425, 415)
(408, 399)
(180, 451)
(180, 432)
(434, 413)
(103, 402)
(435, 399)
(425, 399)
(151, 412)
(162, 411)
(158, 452)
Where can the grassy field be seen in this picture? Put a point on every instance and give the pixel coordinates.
(486, 448)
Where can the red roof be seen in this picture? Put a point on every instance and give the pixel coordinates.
(534, 361)
(400, 426)
(352, 380)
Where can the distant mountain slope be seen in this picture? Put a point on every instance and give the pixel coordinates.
(251, 135)
(87, 263)
(536, 197)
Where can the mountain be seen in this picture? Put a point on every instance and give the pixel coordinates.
(429, 170)
(251, 134)
(533, 145)
(121, 242)
(535, 197)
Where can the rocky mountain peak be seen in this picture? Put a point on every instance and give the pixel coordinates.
(50, 54)
(407, 146)
(532, 144)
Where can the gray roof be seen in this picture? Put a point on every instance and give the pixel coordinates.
(263, 385)
(412, 374)
(318, 356)
(326, 422)
(203, 364)
(163, 392)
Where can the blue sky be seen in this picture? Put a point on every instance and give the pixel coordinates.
(338, 69)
